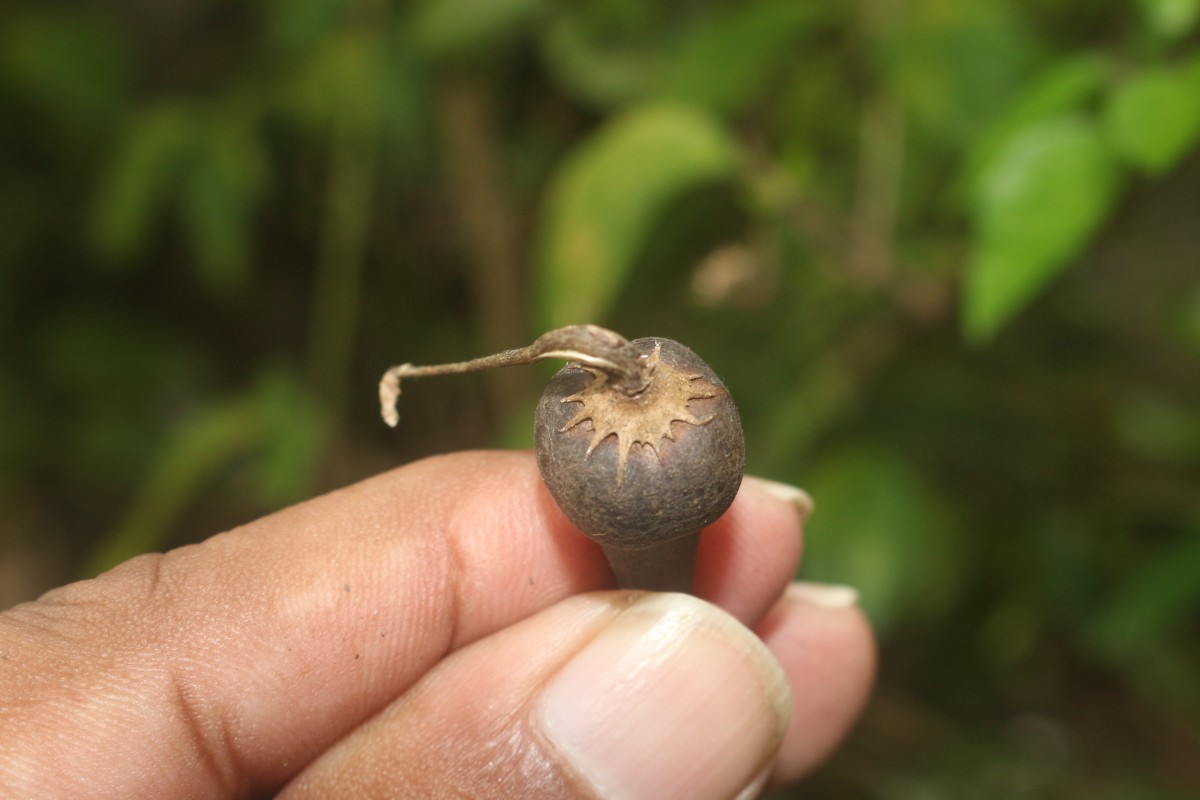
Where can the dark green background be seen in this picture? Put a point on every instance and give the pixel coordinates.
(945, 253)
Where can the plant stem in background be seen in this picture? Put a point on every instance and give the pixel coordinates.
(877, 200)
(335, 298)
(489, 223)
(881, 162)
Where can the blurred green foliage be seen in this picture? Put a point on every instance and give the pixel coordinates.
(944, 252)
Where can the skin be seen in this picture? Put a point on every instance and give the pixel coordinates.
(386, 637)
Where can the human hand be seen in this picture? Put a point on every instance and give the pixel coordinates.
(426, 633)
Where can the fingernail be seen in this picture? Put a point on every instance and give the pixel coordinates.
(754, 789)
(790, 494)
(674, 698)
(829, 596)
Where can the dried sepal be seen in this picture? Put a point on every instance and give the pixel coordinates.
(643, 418)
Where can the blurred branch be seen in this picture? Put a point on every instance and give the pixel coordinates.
(335, 298)
(877, 198)
(490, 225)
(881, 162)
(778, 191)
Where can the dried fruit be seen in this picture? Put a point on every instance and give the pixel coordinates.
(639, 443)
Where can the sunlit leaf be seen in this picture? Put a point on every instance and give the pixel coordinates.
(1039, 203)
(725, 61)
(609, 194)
(1153, 119)
(1171, 18)
(1062, 89)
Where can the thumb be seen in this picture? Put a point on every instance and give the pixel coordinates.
(621, 695)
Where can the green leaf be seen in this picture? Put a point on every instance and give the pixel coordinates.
(274, 424)
(1153, 119)
(957, 65)
(212, 165)
(1159, 595)
(454, 28)
(1171, 19)
(1039, 203)
(295, 432)
(878, 528)
(219, 198)
(1158, 429)
(725, 60)
(343, 81)
(110, 382)
(608, 195)
(293, 27)
(148, 165)
(407, 127)
(1060, 90)
(197, 451)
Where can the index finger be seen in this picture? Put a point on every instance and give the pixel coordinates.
(230, 664)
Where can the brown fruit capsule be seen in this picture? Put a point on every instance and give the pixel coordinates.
(639, 443)
(642, 472)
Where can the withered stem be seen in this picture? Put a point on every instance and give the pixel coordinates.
(663, 567)
(597, 347)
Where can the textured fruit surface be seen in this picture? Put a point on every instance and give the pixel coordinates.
(635, 470)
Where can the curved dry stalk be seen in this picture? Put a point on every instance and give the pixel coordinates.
(592, 345)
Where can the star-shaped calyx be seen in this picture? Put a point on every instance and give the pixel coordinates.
(643, 418)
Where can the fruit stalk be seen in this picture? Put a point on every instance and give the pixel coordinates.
(665, 567)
